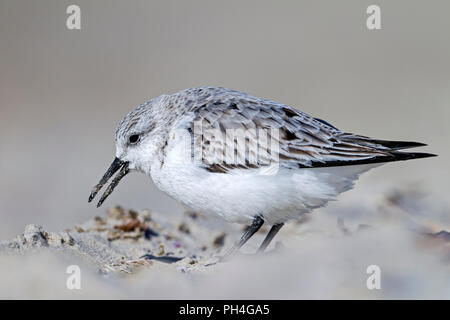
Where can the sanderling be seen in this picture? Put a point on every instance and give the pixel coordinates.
(245, 159)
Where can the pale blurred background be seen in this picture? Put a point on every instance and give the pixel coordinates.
(63, 91)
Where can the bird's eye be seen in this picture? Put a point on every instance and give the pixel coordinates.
(133, 139)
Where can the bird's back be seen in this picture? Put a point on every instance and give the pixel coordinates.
(299, 140)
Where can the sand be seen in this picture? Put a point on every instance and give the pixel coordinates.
(145, 254)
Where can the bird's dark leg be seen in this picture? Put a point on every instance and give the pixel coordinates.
(273, 231)
(258, 221)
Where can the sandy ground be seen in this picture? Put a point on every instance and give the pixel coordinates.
(320, 256)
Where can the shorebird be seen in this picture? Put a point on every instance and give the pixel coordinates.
(245, 159)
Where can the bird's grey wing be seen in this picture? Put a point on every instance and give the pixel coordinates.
(297, 139)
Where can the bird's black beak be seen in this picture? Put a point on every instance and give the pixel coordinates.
(115, 166)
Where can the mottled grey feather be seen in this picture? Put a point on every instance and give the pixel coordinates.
(304, 141)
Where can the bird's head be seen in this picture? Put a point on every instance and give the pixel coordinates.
(138, 138)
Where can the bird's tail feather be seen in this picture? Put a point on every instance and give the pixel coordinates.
(398, 145)
(398, 156)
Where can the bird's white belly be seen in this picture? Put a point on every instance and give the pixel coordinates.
(241, 195)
